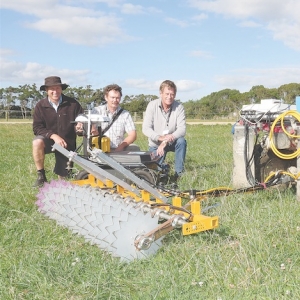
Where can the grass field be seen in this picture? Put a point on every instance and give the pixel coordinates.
(253, 254)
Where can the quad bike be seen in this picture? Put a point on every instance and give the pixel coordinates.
(141, 163)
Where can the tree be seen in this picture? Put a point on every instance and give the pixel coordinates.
(259, 92)
(288, 92)
(9, 96)
(217, 104)
(86, 96)
(36, 95)
(24, 97)
(137, 103)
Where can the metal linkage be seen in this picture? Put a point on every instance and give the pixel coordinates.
(95, 170)
(100, 173)
(101, 156)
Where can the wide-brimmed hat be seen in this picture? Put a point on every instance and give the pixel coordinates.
(53, 80)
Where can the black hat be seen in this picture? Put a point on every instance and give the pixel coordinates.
(53, 80)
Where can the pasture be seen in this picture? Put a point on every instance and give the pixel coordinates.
(253, 254)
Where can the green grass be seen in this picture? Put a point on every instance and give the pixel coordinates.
(253, 254)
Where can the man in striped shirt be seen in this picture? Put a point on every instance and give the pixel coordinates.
(121, 120)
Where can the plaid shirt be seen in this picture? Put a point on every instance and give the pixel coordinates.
(123, 124)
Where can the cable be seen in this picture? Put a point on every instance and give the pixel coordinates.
(260, 115)
(276, 175)
(248, 161)
(280, 118)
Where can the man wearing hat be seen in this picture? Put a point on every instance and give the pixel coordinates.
(52, 124)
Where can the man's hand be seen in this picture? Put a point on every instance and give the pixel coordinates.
(169, 138)
(131, 137)
(165, 140)
(121, 147)
(79, 127)
(58, 140)
(160, 150)
(94, 131)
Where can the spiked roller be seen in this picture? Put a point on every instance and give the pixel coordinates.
(102, 218)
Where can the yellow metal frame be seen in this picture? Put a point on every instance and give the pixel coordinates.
(196, 221)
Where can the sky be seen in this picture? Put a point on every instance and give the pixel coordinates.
(203, 46)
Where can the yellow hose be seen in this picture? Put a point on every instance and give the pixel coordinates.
(280, 118)
(294, 176)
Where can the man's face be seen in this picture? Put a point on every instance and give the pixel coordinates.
(167, 96)
(54, 92)
(113, 99)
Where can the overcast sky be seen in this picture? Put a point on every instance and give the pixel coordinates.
(203, 46)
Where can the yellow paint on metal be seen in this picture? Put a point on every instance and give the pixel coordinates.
(145, 196)
(105, 143)
(200, 223)
(196, 222)
(176, 201)
(196, 207)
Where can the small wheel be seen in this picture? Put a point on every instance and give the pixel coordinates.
(83, 174)
(146, 175)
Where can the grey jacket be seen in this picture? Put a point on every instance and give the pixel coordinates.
(155, 123)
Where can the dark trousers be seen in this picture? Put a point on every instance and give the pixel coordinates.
(61, 161)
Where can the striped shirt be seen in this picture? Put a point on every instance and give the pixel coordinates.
(123, 124)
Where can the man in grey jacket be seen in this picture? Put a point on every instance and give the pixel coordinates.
(165, 126)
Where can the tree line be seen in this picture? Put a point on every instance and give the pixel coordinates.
(223, 103)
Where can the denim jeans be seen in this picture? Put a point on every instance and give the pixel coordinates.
(179, 147)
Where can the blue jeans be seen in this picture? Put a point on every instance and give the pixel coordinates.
(179, 147)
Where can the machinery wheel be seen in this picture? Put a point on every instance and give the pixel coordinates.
(145, 174)
(83, 174)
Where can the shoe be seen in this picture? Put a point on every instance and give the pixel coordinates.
(177, 176)
(41, 179)
(174, 178)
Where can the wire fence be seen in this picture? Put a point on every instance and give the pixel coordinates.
(136, 116)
